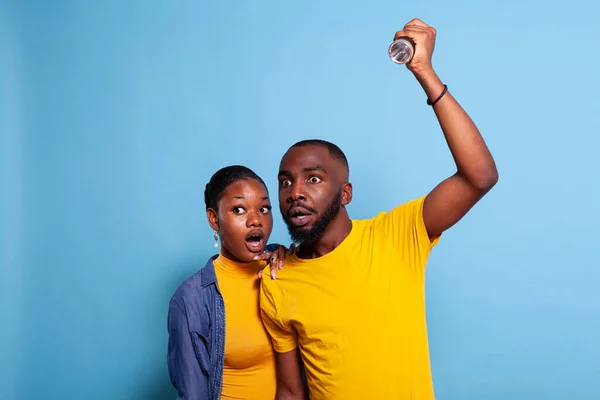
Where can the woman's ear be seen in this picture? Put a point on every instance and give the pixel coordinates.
(213, 219)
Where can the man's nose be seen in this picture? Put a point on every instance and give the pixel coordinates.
(297, 192)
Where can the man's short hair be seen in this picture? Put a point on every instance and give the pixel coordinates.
(334, 151)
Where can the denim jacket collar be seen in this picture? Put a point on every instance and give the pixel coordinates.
(207, 274)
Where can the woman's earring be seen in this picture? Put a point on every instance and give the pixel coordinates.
(216, 240)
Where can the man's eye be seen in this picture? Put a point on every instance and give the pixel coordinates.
(238, 210)
(286, 183)
(314, 179)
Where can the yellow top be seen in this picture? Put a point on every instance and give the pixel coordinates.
(249, 371)
(358, 313)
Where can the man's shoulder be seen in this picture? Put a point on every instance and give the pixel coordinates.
(402, 209)
(272, 290)
(268, 284)
(411, 203)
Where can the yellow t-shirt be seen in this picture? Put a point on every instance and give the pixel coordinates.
(358, 313)
(249, 371)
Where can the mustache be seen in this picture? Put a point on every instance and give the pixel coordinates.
(302, 206)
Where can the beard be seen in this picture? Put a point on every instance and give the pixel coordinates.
(314, 233)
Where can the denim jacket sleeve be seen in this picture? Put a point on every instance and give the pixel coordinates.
(186, 374)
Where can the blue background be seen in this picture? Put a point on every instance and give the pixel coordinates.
(113, 118)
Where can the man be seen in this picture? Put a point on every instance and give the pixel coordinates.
(351, 299)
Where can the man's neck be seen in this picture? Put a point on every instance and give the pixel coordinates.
(338, 229)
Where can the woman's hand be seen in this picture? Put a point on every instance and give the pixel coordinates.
(275, 259)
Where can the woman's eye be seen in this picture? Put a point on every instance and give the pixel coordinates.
(265, 210)
(238, 210)
(314, 179)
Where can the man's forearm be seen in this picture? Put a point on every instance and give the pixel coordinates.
(285, 394)
(290, 385)
(473, 160)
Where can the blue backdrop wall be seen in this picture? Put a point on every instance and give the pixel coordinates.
(113, 116)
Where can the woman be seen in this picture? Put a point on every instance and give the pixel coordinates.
(218, 347)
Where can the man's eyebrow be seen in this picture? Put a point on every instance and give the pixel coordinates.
(317, 168)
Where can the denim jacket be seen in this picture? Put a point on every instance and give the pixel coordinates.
(196, 326)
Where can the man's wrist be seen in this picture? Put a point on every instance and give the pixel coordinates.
(430, 82)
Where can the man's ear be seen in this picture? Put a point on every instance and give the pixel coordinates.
(346, 193)
(213, 219)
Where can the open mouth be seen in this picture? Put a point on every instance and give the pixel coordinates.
(255, 241)
(299, 216)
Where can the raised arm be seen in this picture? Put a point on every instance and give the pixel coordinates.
(476, 171)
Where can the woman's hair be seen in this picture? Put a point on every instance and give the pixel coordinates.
(222, 179)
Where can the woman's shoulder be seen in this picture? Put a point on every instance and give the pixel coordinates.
(192, 287)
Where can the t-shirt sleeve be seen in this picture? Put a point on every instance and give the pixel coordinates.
(405, 229)
(283, 335)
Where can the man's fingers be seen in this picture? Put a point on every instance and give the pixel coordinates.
(414, 28)
(411, 33)
(416, 22)
(411, 30)
(400, 34)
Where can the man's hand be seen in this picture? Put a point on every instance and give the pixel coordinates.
(424, 37)
(275, 260)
